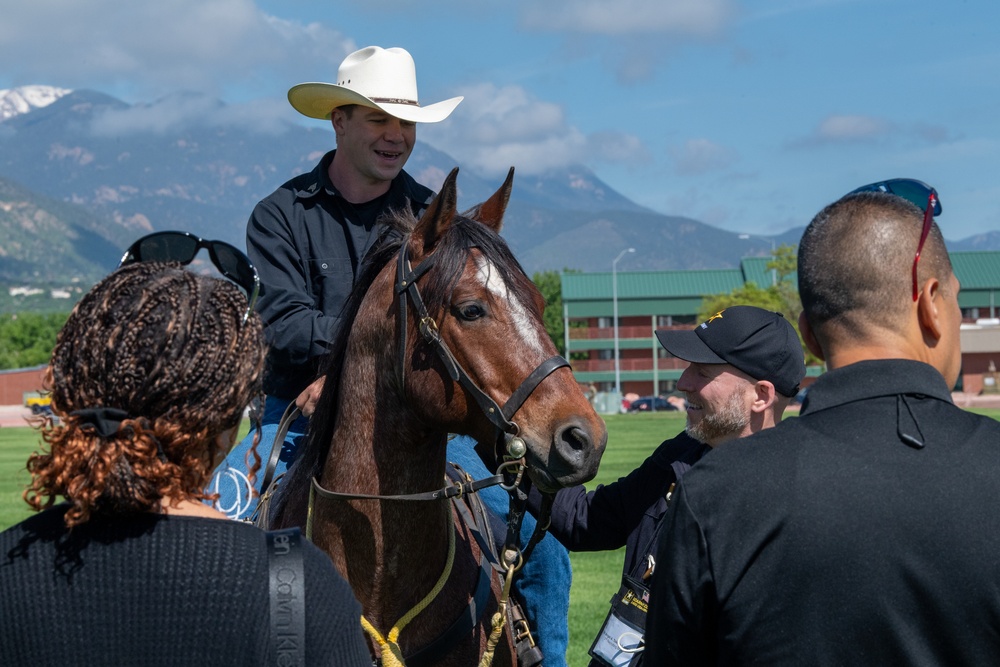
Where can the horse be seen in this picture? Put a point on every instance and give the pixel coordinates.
(442, 334)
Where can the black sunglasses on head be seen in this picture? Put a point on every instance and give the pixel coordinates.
(183, 247)
(920, 195)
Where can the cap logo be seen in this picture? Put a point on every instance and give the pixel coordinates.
(717, 316)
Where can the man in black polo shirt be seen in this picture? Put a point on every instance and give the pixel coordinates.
(865, 531)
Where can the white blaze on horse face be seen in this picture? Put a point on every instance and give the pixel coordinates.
(523, 322)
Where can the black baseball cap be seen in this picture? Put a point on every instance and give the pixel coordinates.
(760, 343)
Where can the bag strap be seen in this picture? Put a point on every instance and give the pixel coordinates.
(286, 584)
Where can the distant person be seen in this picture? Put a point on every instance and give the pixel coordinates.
(149, 378)
(746, 365)
(863, 532)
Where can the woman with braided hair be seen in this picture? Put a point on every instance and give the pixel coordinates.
(149, 380)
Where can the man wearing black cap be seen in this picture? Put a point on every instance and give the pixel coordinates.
(746, 365)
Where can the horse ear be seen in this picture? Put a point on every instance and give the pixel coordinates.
(491, 211)
(436, 219)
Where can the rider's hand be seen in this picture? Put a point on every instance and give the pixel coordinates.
(306, 401)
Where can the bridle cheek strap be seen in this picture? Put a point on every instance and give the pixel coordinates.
(406, 286)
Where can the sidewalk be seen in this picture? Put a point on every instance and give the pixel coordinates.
(17, 415)
(14, 415)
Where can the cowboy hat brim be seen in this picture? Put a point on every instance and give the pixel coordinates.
(318, 100)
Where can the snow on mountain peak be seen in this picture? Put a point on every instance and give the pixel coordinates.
(16, 101)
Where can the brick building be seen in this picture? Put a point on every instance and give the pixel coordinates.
(652, 300)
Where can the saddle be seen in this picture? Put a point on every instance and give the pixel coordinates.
(483, 525)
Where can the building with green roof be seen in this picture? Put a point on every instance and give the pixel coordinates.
(650, 300)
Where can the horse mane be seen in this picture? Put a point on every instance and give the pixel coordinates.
(450, 257)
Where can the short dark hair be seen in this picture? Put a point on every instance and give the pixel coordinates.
(348, 110)
(855, 261)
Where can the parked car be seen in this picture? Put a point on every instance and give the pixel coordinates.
(650, 403)
(39, 404)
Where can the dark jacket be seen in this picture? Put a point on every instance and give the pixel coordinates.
(307, 243)
(863, 532)
(625, 512)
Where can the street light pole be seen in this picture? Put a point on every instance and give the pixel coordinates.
(614, 323)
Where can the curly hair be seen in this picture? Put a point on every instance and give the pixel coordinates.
(166, 347)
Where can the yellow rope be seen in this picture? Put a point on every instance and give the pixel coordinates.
(498, 620)
(392, 655)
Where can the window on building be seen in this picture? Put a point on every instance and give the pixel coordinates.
(604, 322)
(605, 354)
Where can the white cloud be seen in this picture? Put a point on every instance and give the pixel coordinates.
(147, 48)
(860, 129)
(174, 112)
(697, 156)
(497, 126)
(851, 128)
(629, 17)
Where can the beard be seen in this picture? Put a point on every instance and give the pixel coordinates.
(728, 419)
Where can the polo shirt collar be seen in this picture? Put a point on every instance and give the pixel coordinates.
(319, 181)
(866, 380)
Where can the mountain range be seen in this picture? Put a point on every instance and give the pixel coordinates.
(82, 174)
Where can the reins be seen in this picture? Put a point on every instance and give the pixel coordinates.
(509, 476)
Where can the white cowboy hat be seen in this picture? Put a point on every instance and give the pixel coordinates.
(385, 79)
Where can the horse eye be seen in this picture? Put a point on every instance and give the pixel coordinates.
(471, 311)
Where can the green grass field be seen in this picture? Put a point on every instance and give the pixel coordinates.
(596, 576)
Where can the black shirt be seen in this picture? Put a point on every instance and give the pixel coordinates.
(161, 590)
(626, 512)
(863, 532)
(307, 243)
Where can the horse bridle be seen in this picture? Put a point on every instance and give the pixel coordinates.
(500, 417)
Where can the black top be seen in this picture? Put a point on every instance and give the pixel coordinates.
(307, 243)
(863, 532)
(158, 590)
(625, 512)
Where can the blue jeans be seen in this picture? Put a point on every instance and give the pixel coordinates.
(543, 583)
(230, 479)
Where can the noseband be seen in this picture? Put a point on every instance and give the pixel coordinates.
(406, 288)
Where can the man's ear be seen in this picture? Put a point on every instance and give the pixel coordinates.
(764, 395)
(928, 313)
(337, 117)
(809, 337)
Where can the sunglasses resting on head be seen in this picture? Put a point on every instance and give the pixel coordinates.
(920, 195)
(183, 247)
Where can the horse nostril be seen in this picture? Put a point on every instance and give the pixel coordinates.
(572, 441)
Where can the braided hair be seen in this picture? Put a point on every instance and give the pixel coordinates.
(166, 349)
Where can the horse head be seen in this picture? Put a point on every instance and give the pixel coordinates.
(489, 352)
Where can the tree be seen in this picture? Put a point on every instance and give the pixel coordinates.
(550, 285)
(27, 339)
(782, 297)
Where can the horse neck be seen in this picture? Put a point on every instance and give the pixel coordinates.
(391, 551)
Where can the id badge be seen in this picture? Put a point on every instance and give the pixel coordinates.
(620, 640)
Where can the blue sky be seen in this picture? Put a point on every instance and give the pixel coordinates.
(749, 116)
